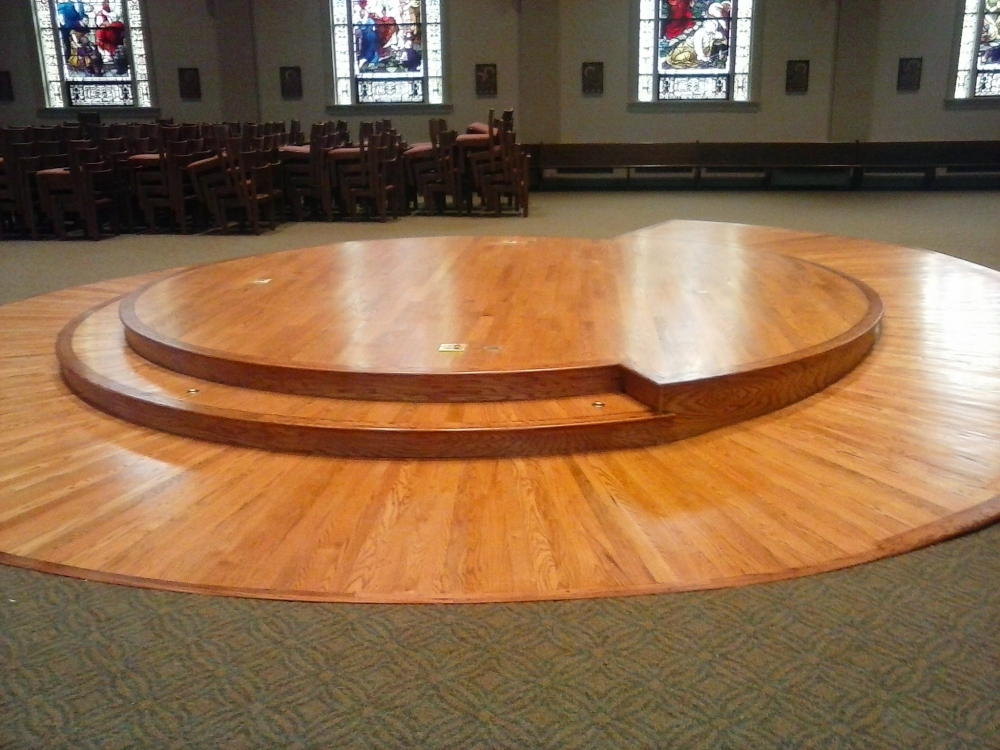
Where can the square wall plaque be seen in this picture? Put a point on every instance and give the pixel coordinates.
(797, 77)
(189, 81)
(592, 78)
(908, 76)
(486, 79)
(291, 82)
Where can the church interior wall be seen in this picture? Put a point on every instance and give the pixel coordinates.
(787, 30)
(919, 29)
(280, 43)
(539, 46)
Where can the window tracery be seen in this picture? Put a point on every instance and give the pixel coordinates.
(92, 53)
(693, 50)
(387, 51)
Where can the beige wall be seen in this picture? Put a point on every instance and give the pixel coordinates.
(918, 28)
(539, 45)
(17, 40)
(191, 22)
(854, 70)
(183, 33)
(281, 43)
(787, 29)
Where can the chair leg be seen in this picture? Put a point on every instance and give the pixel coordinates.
(59, 219)
(180, 213)
(93, 227)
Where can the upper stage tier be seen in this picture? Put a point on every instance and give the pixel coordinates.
(538, 317)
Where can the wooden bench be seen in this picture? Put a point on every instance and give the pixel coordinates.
(642, 164)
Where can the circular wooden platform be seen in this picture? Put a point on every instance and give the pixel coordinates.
(902, 451)
(592, 345)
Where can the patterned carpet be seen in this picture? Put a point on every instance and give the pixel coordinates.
(901, 653)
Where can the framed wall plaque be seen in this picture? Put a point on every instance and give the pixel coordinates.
(6, 86)
(189, 82)
(908, 75)
(486, 79)
(592, 78)
(291, 82)
(797, 77)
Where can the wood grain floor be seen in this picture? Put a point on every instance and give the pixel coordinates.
(901, 452)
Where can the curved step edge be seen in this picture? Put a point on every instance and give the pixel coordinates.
(515, 385)
(277, 433)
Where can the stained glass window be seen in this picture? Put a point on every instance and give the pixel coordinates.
(387, 51)
(92, 54)
(694, 50)
(979, 52)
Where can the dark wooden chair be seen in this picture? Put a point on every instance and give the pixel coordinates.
(510, 178)
(92, 191)
(208, 177)
(250, 187)
(421, 157)
(375, 181)
(443, 179)
(167, 184)
(18, 196)
(307, 178)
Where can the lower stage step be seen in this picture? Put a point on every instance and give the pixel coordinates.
(98, 365)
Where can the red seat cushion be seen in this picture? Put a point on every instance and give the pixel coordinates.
(473, 139)
(478, 127)
(344, 152)
(293, 150)
(144, 158)
(419, 149)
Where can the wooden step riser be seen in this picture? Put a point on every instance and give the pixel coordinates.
(373, 386)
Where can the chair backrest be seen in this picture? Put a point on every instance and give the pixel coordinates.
(444, 153)
(365, 131)
(436, 125)
(341, 134)
(18, 135)
(444, 142)
(72, 146)
(169, 134)
(74, 131)
(84, 155)
(46, 133)
(49, 148)
(223, 133)
(317, 134)
(111, 146)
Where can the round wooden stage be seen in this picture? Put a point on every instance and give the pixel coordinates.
(484, 419)
(590, 345)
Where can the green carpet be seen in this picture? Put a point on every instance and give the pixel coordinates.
(903, 653)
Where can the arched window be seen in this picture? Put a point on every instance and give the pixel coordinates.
(387, 51)
(93, 54)
(694, 50)
(979, 51)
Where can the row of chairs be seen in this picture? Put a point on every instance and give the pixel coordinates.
(118, 171)
(486, 162)
(198, 174)
(445, 174)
